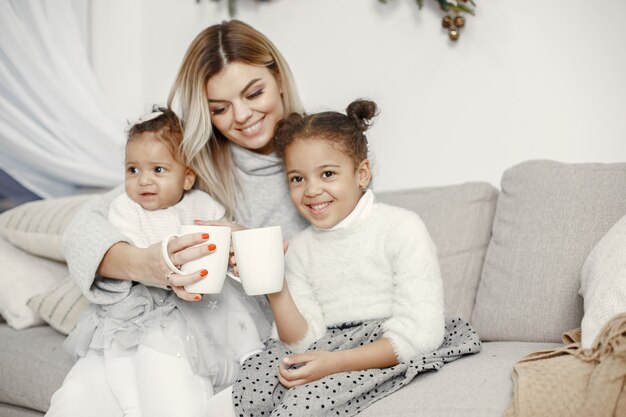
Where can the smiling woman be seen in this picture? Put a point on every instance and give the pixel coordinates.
(232, 88)
(243, 106)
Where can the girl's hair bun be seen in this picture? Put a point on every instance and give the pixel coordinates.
(362, 112)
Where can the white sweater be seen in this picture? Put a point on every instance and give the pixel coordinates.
(145, 227)
(382, 267)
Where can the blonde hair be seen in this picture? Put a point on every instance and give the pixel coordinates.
(206, 149)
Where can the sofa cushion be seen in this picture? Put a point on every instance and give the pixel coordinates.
(33, 365)
(37, 226)
(548, 218)
(474, 386)
(459, 219)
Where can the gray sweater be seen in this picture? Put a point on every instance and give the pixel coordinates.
(262, 200)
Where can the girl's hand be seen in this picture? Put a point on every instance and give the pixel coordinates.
(182, 250)
(315, 366)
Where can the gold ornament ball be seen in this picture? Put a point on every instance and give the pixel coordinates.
(453, 34)
(446, 22)
(459, 21)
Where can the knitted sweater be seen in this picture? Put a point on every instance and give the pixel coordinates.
(263, 201)
(602, 283)
(145, 227)
(381, 267)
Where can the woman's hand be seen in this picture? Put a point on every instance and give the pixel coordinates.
(234, 227)
(182, 250)
(315, 365)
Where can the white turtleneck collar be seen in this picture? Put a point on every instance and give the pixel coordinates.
(361, 211)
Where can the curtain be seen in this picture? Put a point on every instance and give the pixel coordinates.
(56, 134)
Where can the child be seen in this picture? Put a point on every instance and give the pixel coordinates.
(189, 346)
(363, 289)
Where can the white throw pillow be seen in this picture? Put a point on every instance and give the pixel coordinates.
(603, 283)
(24, 276)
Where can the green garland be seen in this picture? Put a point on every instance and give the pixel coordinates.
(453, 21)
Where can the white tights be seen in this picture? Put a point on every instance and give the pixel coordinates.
(164, 386)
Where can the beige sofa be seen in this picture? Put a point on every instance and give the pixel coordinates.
(510, 260)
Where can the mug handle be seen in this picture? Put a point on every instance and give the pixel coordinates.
(233, 276)
(166, 256)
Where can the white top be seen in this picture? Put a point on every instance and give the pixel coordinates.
(382, 266)
(145, 227)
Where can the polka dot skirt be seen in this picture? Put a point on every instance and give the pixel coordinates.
(257, 391)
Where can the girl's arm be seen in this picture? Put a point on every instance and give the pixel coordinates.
(317, 365)
(290, 324)
(417, 319)
(297, 313)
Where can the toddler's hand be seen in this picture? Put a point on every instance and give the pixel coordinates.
(314, 366)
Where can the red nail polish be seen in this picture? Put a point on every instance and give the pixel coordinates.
(198, 297)
(212, 247)
(205, 236)
(204, 273)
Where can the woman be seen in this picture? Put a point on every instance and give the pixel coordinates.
(232, 88)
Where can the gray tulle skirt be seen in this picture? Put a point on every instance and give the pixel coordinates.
(213, 334)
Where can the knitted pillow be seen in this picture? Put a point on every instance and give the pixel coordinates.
(36, 227)
(60, 306)
(603, 282)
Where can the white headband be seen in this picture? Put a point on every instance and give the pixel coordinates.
(145, 118)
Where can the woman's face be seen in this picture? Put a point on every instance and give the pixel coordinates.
(245, 104)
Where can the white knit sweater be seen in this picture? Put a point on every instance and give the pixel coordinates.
(381, 267)
(145, 227)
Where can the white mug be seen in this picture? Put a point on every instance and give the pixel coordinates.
(260, 259)
(216, 262)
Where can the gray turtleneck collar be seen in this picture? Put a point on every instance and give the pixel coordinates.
(253, 163)
(263, 194)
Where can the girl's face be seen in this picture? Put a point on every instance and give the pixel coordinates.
(154, 179)
(245, 104)
(324, 183)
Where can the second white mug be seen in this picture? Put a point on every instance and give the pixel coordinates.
(260, 259)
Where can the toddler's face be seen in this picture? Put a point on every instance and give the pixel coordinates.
(324, 183)
(154, 179)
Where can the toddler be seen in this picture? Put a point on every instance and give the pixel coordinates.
(152, 341)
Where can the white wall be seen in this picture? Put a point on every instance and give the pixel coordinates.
(526, 80)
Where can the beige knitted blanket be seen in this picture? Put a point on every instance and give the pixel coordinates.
(571, 381)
